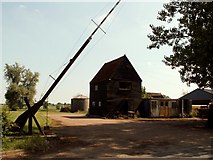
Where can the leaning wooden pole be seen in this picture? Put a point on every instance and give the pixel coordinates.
(22, 119)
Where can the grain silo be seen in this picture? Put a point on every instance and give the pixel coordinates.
(79, 103)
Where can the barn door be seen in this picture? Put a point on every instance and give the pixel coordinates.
(164, 109)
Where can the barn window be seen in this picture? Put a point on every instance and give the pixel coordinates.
(125, 85)
(93, 103)
(96, 87)
(99, 104)
(167, 104)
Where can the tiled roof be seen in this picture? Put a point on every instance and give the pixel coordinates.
(152, 94)
(108, 69)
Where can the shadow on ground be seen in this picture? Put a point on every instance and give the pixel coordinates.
(131, 139)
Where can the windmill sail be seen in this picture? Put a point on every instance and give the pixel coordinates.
(22, 119)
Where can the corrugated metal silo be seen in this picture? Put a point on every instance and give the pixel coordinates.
(79, 103)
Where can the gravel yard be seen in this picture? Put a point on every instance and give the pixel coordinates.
(96, 138)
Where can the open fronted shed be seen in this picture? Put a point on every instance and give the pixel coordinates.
(199, 96)
(196, 97)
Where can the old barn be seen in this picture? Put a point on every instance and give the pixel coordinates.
(115, 89)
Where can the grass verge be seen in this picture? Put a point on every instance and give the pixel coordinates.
(29, 144)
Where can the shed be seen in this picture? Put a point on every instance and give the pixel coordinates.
(159, 107)
(199, 96)
(79, 103)
(115, 89)
(196, 97)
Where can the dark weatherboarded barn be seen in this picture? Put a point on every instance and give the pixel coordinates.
(115, 89)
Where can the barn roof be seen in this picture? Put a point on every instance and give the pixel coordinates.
(199, 94)
(109, 70)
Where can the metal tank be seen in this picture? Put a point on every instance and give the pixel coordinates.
(79, 103)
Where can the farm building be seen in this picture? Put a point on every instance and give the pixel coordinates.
(115, 89)
(79, 103)
(198, 97)
(159, 107)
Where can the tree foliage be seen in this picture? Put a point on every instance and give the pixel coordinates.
(5, 121)
(144, 93)
(191, 40)
(21, 83)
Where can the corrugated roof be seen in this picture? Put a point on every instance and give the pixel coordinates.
(108, 69)
(198, 94)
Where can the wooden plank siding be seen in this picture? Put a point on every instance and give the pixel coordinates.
(117, 87)
(159, 107)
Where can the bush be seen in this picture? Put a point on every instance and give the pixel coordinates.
(193, 113)
(5, 121)
(65, 109)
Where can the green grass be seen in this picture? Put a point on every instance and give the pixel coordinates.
(27, 143)
(40, 116)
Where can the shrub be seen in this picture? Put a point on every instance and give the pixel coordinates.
(193, 113)
(65, 109)
(5, 121)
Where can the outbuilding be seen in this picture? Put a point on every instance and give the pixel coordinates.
(159, 107)
(198, 96)
(115, 89)
(79, 103)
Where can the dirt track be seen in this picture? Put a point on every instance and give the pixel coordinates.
(94, 138)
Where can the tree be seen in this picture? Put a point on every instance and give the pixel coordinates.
(5, 121)
(144, 93)
(21, 83)
(166, 97)
(45, 105)
(191, 40)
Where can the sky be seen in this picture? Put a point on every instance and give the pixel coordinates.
(43, 36)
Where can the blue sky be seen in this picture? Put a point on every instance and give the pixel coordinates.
(43, 36)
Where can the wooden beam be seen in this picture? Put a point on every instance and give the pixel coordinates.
(32, 116)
